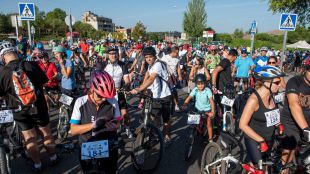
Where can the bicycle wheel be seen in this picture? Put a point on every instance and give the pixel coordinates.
(189, 142)
(211, 153)
(4, 161)
(147, 149)
(230, 124)
(62, 126)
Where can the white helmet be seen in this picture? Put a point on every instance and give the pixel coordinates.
(6, 47)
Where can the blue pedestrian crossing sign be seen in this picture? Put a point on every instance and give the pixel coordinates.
(288, 21)
(26, 11)
(253, 27)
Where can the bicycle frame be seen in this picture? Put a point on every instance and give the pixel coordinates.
(226, 159)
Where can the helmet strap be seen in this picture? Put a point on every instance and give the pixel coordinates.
(270, 92)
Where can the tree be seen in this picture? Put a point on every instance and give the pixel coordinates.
(5, 23)
(56, 21)
(85, 30)
(139, 31)
(224, 37)
(238, 33)
(195, 18)
(300, 7)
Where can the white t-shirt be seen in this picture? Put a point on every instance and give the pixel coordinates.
(159, 88)
(115, 72)
(172, 63)
(182, 53)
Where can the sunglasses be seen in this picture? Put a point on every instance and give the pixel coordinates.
(277, 82)
(272, 63)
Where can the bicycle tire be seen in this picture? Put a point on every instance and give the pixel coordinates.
(230, 125)
(4, 161)
(189, 142)
(212, 152)
(143, 143)
(62, 130)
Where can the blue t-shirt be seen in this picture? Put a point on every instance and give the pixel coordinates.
(68, 52)
(68, 83)
(202, 99)
(260, 61)
(243, 66)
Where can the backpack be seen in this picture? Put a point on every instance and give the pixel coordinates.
(172, 79)
(24, 88)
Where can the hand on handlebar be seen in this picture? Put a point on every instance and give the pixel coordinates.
(306, 134)
(214, 90)
(134, 91)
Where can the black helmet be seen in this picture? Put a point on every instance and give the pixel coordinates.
(149, 51)
(200, 78)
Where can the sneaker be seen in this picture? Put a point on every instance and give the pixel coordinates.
(37, 169)
(54, 161)
(176, 108)
(128, 133)
(140, 106)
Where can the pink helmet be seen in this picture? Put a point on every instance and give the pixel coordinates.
(212, 47)
(103, 84)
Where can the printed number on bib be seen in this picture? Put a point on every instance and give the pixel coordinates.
(95, 149)
(272, 117)
(279, 98)
(193, 119)
(6, 116)
(226, 101)
(67, 100)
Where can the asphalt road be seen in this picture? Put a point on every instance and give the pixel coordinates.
(172, 162)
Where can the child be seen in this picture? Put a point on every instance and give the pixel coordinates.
(203, 100)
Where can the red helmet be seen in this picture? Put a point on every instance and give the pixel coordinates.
(306, 64)
(103, 84)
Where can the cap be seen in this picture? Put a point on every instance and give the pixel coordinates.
(111, 49)
(139, 46)
(243, 50)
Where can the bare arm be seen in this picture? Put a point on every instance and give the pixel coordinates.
(207, 74)
(142, 67)
(147, 82)
(192, 73)
(250, 107)
(187, 100)
(65, 71)
(215, 73)
(296, 110)
(179, 72)
(81, 129)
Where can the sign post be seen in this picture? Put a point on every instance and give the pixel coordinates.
(27, 12)
(253, 31)
(33, 31)
(70, 21)
(287, 23)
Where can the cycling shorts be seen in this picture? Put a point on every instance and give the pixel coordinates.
(162, 107)
(26, 121)
(253, 151)
(122, 101)
(291, 139)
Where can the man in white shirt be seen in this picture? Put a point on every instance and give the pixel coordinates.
(156, 80)
(174, 69)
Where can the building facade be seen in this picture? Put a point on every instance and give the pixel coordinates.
(98, 22)
(126, 32)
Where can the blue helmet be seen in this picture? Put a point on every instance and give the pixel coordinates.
(40, 46)
(268, 72)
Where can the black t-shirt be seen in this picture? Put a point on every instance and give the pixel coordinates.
(36, 76)
(296, 85)
(224, 77)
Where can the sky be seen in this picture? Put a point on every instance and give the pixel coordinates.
(164, 15)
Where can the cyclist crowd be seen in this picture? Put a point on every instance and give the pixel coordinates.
(208, 71)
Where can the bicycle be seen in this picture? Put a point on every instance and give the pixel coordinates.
(11, 142)
(197, 128)
(64, 117)
(147, 142)
(52, 97)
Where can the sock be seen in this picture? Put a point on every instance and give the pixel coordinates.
(53, 158)
(37, 165)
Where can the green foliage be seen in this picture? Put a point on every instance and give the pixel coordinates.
(139, 31)
(195, 18)
(84, 29)
(238, 33)
(300, 7)
(223, 37)
(55, 21)
(5, 23)
(156, 36)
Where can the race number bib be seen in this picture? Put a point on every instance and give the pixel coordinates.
(67, 100)
(279, 97)
(193, 119)
(95, 149)
(228, 102)
(261, 63)
(6, 116)
(272, 117)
